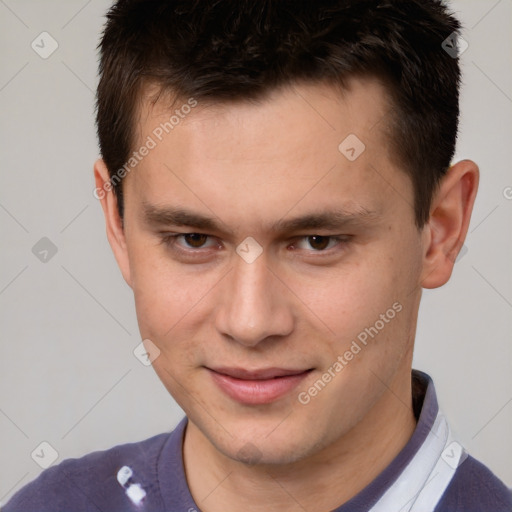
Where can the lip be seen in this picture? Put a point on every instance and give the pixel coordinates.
(257, 387)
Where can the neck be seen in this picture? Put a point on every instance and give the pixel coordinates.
(323, 482)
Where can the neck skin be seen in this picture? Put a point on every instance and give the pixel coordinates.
(321, 483)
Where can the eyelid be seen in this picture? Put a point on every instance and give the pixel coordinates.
(340, 239)
(170, 239)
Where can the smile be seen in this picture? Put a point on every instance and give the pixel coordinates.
(257, 387)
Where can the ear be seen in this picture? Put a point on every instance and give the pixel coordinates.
(446, 230)
(114, 224)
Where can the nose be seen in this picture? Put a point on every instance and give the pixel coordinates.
(256, 304)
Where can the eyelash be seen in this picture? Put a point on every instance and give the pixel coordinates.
(170, 241)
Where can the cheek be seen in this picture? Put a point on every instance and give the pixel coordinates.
(164, 307)
(361, 301)
(348, 298)
(172, 303)
(162, 295)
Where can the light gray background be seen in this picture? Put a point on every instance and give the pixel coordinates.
(68, 375)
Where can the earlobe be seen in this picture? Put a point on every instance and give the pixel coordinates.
(113, 222)
(448, 224)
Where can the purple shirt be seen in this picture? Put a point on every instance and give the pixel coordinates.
(153, 474)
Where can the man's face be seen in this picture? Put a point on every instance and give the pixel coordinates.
(215, 307)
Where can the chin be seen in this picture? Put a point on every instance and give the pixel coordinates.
(251, 454)
(258, 447)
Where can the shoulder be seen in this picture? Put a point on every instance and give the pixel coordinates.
(89, 483)
(474, 488)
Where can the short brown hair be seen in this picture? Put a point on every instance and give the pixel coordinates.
(225, 50)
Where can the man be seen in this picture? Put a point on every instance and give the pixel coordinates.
(277, 187)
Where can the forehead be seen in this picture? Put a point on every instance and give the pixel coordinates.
(360, 105)
(294, 146)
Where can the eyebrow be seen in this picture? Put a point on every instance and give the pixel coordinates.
(325, 219)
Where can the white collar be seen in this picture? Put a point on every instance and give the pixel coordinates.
(422, 483)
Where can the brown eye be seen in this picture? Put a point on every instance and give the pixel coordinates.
(195, 240)
(188, 242)
(321, 244)
(318, 242)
